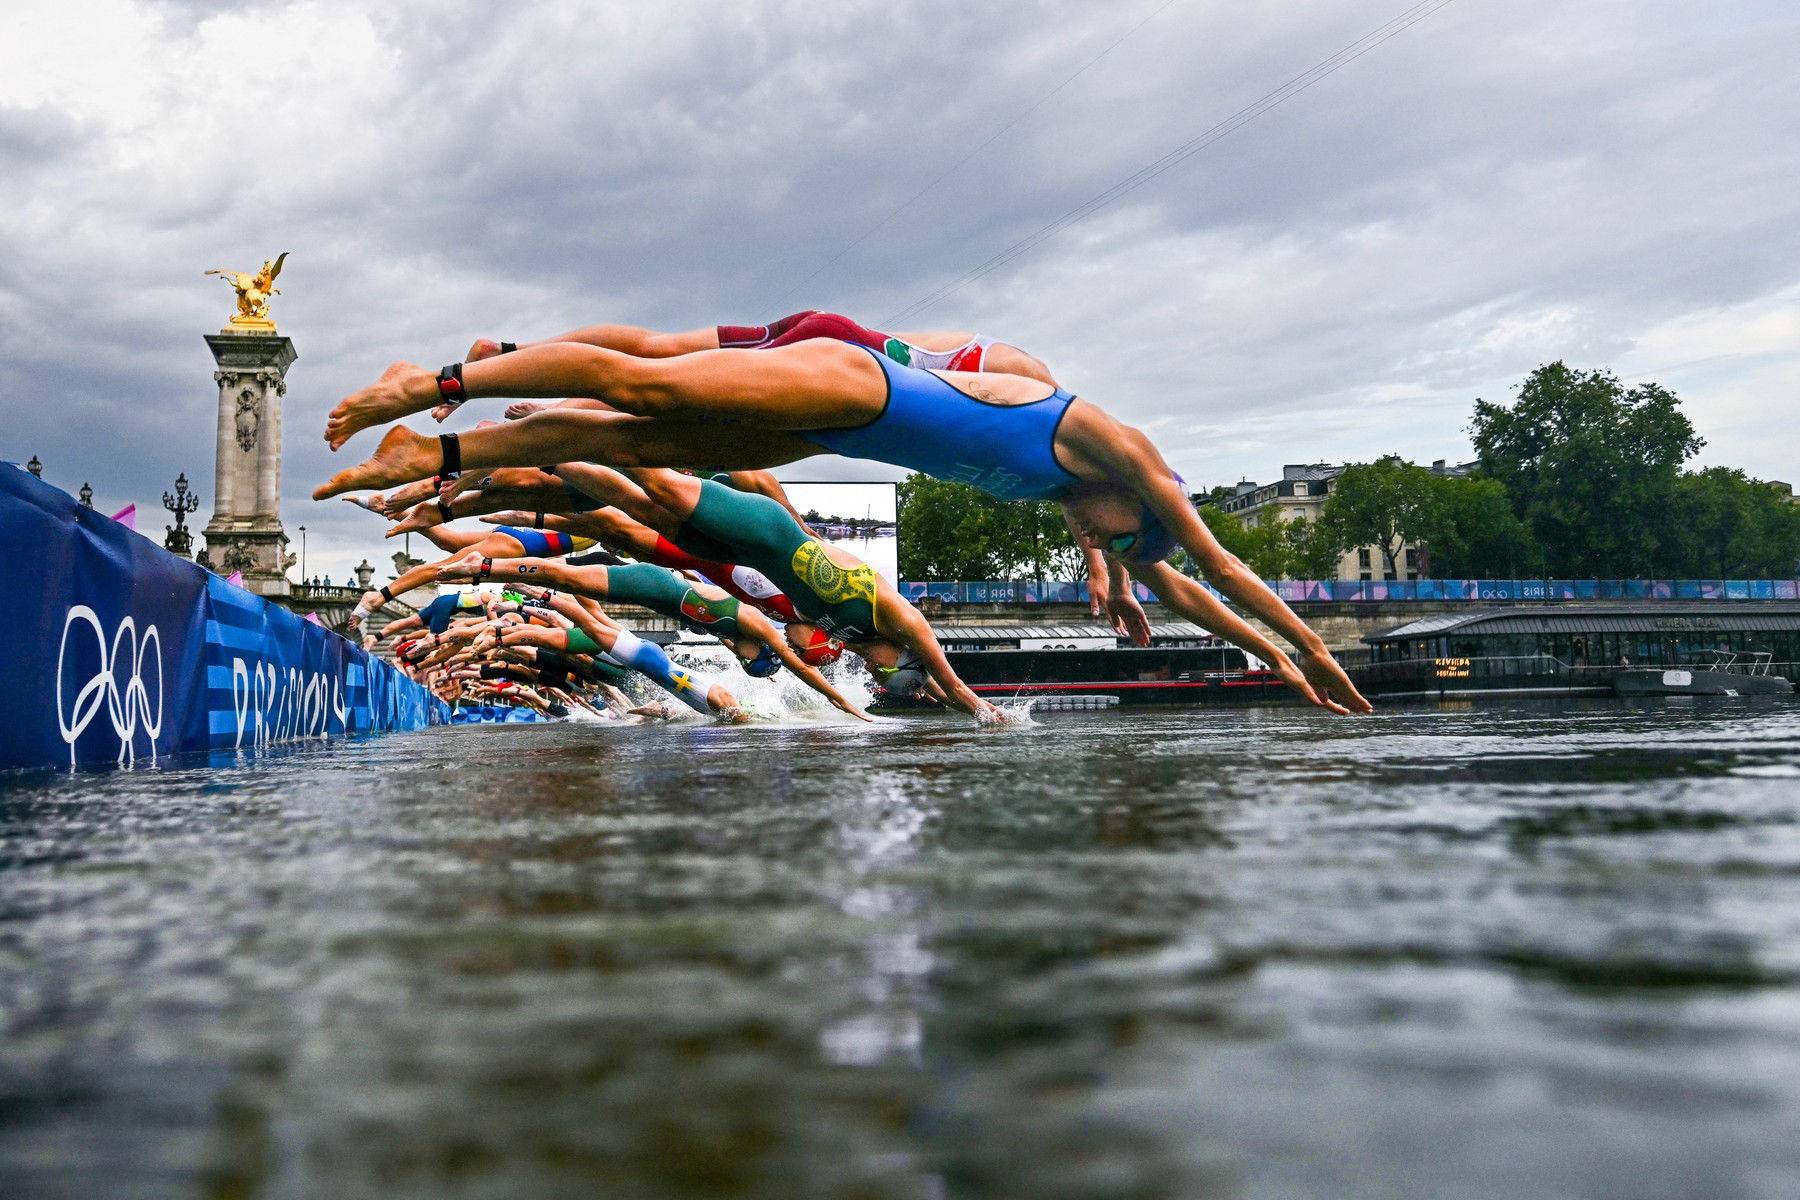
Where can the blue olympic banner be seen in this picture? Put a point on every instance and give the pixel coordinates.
(119, 650)
(1020, 591)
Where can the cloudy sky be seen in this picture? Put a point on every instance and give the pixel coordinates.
(1506, 183)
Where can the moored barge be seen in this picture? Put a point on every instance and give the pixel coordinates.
(1584, 649)
(1183, 664)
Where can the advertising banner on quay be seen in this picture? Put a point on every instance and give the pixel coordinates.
(116, 650)
(1474, 591)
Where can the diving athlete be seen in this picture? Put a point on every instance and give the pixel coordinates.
(747, 633)
(505, 542)
(1109, 586)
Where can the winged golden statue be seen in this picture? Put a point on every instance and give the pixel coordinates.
(253, 292)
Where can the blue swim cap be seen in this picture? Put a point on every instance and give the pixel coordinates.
(764, 664)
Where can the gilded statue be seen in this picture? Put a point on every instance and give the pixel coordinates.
(253, 292)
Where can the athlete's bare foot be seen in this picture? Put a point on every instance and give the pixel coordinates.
(524, 408)
(370, 503)
(466, 567)
(512, 516)
(400, 499)
(416, 519)
(402, 457)
(402, 390)
(483, 348)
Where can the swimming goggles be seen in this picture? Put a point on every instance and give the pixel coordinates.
(1122, 543)
(909, 661)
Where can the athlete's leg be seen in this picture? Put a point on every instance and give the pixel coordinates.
(753, 528)
(1002, 359)
(673, 491)
(524, 408)
(533, 502)
(452, 540)
(817, 384)
(404, 456)
(626, 339)
(541, 572)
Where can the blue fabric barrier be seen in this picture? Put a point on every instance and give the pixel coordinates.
(117, 649)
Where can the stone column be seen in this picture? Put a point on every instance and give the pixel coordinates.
(245, 532)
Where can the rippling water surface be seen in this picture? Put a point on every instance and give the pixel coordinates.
(1534, 950)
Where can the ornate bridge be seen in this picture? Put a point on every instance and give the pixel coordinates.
(333, 606)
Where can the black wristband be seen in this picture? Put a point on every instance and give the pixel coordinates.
(450, 384)
(537, 522)
(444, 513)
(508, 347)
(452, 451)
(386, 595)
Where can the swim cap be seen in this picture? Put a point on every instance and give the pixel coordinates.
(821, 649)
(908, 676)
(1155, 542)
(764, 664)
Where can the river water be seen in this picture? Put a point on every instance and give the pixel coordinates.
(1524, 950)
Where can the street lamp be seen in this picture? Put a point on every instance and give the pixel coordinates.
(35, 467)
(303, 554)
(179, 540)
(87, 495)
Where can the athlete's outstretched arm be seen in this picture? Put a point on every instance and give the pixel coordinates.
(1190, 600)
(1128, 457)
(761, 627)
(901, 623)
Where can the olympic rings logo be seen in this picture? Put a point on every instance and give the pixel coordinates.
(127, 704)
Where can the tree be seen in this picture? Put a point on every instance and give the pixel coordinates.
(954, 531)
(1274, 549)
(1476, 534)
(1730, 526)
(1388, 503)
(1590, 467)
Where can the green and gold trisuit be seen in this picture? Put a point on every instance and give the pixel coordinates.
(762, 535)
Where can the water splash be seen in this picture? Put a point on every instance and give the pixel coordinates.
(781, 698)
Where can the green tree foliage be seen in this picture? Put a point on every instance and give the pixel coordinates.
(1274, 549)
(1591, 468)
(951, 531)
(1465, 524)
(1729, 526)
(1386, 503)
(1476, 534)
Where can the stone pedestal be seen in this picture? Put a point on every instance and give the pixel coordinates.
(245, 532)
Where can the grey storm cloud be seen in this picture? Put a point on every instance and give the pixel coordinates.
(1499, 186)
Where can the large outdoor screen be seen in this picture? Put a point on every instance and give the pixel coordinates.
(860, 517)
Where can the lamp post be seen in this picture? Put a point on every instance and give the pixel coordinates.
(35, 467)
(303, 554)
(87, 495)
(179, 540)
